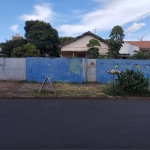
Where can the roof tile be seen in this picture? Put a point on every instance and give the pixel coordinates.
(141, 44)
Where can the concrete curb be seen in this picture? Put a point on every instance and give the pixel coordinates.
(77, 98)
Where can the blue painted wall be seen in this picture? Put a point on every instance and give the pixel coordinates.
(104, 65)
(59, 69)
(75, 70)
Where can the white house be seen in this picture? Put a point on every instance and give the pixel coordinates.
(128, 49)
(77, 47)
(130, 46)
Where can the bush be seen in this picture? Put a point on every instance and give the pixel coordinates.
(133, 83)
(129, 83)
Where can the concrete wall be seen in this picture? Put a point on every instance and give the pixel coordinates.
(64, 70)
(12, 69)
(67, 70)
(103, 65)
(81, 70)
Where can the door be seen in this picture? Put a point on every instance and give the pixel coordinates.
(91, 70)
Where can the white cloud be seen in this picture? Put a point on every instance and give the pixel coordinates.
(41, 12)
(14, 28)
(106, 16)
(135, 27)
(76, 11)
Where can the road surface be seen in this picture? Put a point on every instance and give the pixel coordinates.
(74, 124)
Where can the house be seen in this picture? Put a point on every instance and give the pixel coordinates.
(130, 46)
(17, 37)
(77, 47)
(128, 49)
(144, 46)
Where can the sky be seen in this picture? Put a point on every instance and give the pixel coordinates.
(75, 17)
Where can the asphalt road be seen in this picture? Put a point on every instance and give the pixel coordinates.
(74, 124)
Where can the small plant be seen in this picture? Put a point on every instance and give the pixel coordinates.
(133, 83)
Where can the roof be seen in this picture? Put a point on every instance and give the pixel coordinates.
(140, 44)
(86, 33)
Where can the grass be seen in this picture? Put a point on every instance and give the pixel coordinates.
(25, 81)
(116, 91)
(43, 93)
(113, 90)
(70, 90)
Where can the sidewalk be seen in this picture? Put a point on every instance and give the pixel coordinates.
(25, 90)
(9, 89)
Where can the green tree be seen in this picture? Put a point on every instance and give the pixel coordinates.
(141, 55)
(27, 50)
(93, 50)
(115, 42)
(65, 39)
(9, 45)
(43, 36)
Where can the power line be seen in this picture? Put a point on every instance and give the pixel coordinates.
(131, 21)
(136, 19)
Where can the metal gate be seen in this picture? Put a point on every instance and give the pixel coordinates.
(13, 69)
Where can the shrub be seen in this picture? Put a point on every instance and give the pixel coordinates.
(129, 83)
(93, 48)
(133, 83)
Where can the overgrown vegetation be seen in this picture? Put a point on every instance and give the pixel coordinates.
(9, 45)
(140, 55)
(27, 50)
(129, 83)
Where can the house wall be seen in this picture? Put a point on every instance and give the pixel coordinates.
(66, 55)
(70, 55)
(12, 69)
(80, 45)
(128, 49)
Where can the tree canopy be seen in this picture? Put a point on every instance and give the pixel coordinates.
(43, 36)
(9, 45)
(65, 39)
(92, 43)
(93, 50)
(115, 42)
(27, 50)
